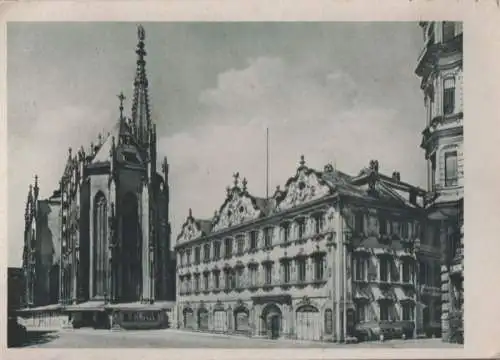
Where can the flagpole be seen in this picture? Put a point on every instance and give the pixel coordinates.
(267, 163)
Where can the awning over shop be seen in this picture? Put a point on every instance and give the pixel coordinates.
(401, 295)
(379, 294)
(361, 294)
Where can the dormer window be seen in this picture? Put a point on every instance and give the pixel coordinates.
(130, 157)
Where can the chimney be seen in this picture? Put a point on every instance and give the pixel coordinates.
(396, 176)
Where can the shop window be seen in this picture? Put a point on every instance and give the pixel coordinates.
(361, 313)
(407, 311)
(385, 311)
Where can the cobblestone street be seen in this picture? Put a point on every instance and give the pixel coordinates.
(87, 338)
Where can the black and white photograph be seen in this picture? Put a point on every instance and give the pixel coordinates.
(235, 184)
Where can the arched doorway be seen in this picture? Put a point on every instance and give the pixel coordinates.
(131, 250)
(272, 318)
(203, 319)
(308, 324)
(188, 315)
(241, 319)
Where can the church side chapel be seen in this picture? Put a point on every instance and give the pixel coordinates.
(330, 257)
(102, 257)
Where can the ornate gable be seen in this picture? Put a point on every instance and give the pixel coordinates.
(190, 230)
(238, 208)
(305, 186)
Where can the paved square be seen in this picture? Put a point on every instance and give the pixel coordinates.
(89, 338)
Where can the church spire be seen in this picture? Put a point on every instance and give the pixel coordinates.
(140, 104)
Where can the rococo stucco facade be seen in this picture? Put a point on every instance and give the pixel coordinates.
(331, 257)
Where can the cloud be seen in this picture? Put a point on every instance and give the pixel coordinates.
(308, 110)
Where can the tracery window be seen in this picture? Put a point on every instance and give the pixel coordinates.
(100, 234)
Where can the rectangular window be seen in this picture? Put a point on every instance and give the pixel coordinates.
(205, 281)
(227, 280)
(286, 271)
(197, 256)
(216, 280)
(384, 270)
(382, 225)
(359, 223)
(406, 271)
(286, 232)
(217, 250)
(301, 224)
(228, 248)
(360, 312)
(241, 244)
(206, 252)
(407, 311)
(253, 240)
(449, 96)
(384, 311)
(239, 278)
(430, 34)
(361, 269)
(268, 237)
(451, 168)
(448, 30)
(268, 268)
(253, 276)
(422, 274)
(181, 258)
(197, 282)
(318, 268)
(188, 257)
(319, 223)
(403, 230)
(301, 269)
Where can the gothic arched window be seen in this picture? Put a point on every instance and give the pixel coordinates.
(99, 244)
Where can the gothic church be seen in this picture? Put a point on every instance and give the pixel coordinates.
(97, 252)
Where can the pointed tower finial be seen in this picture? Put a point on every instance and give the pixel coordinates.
(69, 153)
(302, 161)
(244, 183)
(35, 188)
(121, 97)
(236, 177)
(141, 119)
(190, 213)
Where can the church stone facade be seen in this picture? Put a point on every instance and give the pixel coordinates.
(331, 257)
(97, 252)
(440, 68)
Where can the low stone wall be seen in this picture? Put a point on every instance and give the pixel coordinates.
(51, 320)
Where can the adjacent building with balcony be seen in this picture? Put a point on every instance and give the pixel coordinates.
(331, 257)
(440, 67)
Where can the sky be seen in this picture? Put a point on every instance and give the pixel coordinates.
(340, 93)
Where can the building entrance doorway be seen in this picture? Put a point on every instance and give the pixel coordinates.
(272, 318)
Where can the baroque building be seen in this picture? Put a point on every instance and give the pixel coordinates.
(440, 68)
(97, 252)
(331, 257)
